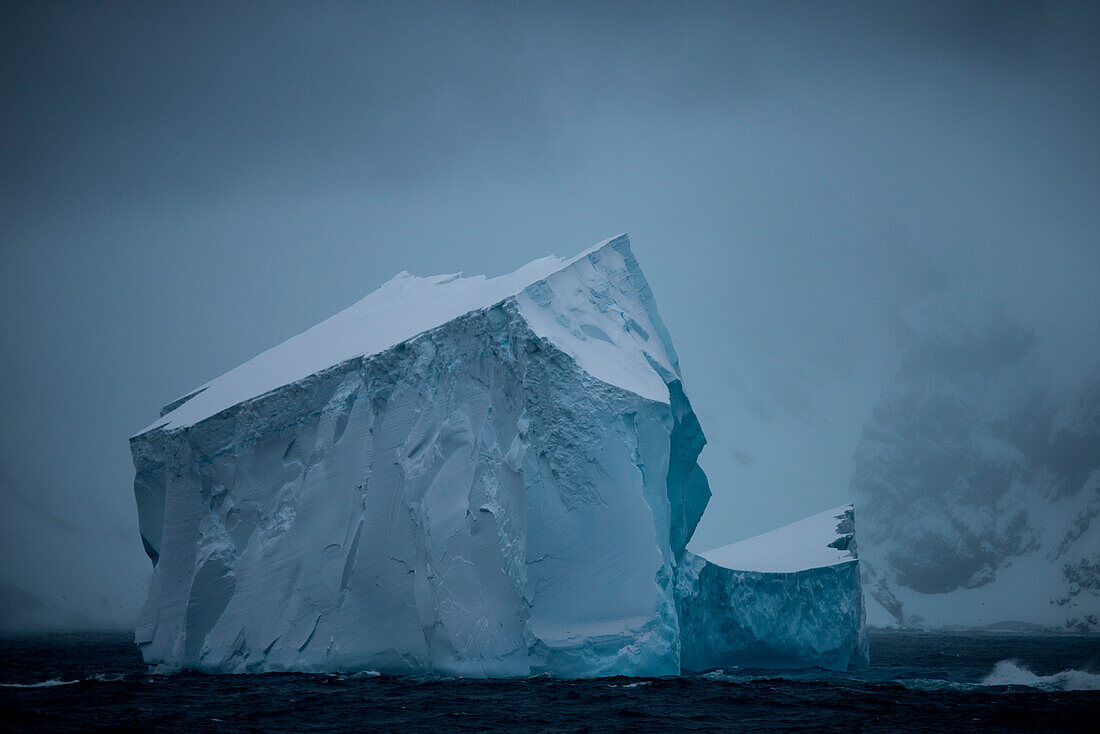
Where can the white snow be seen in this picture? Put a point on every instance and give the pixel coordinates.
(1028, 589)
(801, 545)
(408, 305)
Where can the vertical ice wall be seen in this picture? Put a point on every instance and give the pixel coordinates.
(789, 598)
(493, 496)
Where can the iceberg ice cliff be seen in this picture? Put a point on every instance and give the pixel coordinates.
(787, 598)
(457, 475)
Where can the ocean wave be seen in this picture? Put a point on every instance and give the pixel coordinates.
(41, 684)
(1012, 673)
(936, 684)
(98, 678)
(1005, 674)
(758, 675)
(361, 675)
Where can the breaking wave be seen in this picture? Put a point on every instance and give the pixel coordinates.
(1013, 673)
(1006, 673)
(100, 678)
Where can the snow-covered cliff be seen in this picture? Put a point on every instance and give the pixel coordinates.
(979, 490)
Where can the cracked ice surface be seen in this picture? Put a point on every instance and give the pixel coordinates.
(456, 475)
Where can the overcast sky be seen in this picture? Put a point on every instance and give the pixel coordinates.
(806, 185)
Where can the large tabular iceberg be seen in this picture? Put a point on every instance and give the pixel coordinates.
(458, 475)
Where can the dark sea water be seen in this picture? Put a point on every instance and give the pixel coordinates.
(917, 682)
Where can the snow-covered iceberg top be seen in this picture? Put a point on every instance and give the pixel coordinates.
(564, 300)
(824, 539)
(789, 598)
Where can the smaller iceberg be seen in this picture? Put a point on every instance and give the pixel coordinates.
(789, 598)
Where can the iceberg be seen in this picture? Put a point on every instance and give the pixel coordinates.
(789, 598)
(456, 475)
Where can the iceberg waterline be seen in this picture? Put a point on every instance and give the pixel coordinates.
(469, 476)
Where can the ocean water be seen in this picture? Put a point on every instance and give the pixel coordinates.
(917, 682)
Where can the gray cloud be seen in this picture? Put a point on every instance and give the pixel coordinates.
(808, 186)
(16, 497)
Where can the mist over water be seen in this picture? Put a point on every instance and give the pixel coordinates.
(816, 194)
